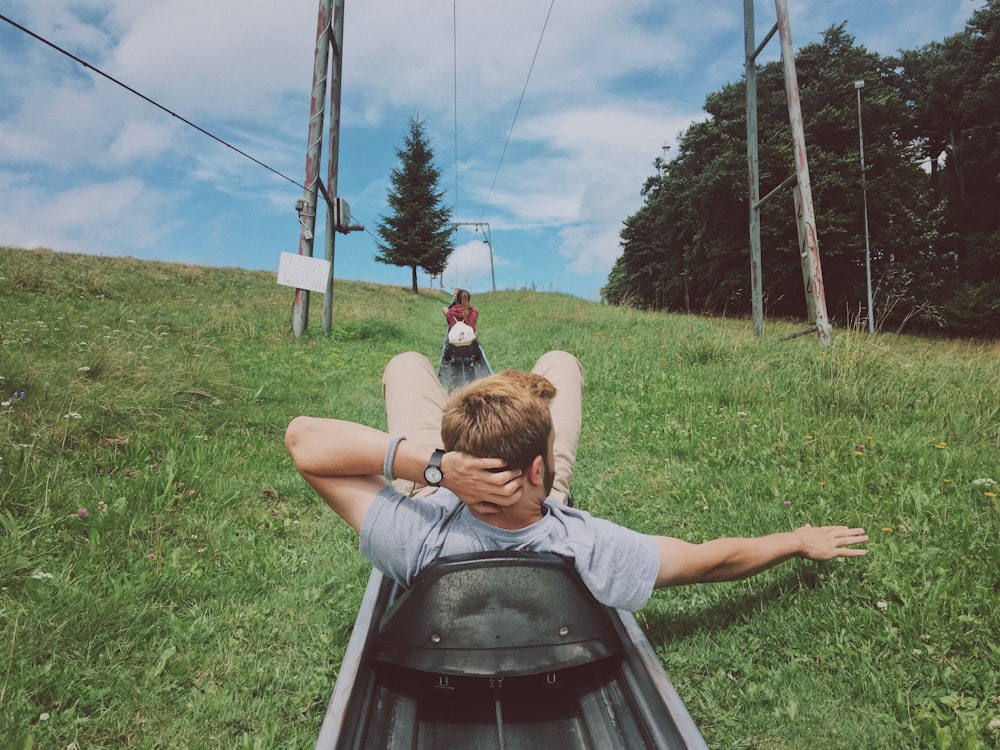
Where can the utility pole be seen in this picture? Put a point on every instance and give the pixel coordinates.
(753, 163)
(334, 217)
(306, 206)
(812, 274)
(864, 196)
(329, 36)
(809, 240)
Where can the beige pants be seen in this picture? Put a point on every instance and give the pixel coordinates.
(415, 401)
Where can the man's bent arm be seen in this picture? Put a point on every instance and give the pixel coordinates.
(733, 559)
(343, 461)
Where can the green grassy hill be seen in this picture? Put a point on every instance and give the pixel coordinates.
(167, 579)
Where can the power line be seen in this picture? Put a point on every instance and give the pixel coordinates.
(518, 110)
(454, 55)
(142, 96)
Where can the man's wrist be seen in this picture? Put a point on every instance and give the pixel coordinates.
(446, 467)
(799, 543)
(390, 456)
(433, 473)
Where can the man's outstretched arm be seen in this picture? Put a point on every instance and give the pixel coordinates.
(733, 559)
(343, 461)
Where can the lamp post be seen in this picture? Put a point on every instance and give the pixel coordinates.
(858, 85)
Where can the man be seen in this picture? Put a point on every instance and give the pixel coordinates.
(489, 489)
(415, 402)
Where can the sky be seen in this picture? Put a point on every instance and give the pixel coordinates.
(545, 117)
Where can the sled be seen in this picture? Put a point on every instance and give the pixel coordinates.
(462, 364)
(500, 650)
(505, 649)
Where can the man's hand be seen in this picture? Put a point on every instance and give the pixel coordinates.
(482, 483)
(828, 542)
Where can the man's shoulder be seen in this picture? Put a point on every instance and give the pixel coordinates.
(440, 496)
(578, 520)
(562, 510)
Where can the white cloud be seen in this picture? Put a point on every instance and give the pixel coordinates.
(230, 61)
(84, 165)
(117, 217)
(469, 267)
(140, 140)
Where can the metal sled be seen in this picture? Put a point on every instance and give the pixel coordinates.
(505, 650)
(502, 650)
(462, 364)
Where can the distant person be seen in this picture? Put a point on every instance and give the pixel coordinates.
(488, 489)
(461, 310)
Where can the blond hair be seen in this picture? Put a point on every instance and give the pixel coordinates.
(464, 299)
(503, 416)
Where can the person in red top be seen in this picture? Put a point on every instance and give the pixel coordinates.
(461, 310)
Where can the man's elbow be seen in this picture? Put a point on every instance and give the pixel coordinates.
(683, 563)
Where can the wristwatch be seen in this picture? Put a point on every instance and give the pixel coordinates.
(432, 474)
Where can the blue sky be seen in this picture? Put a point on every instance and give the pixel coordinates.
(87, 167)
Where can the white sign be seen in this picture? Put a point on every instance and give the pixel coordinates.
(303, 272)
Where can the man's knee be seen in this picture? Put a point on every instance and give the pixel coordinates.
(404, 365)
(557, 363)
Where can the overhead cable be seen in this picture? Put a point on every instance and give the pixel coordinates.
(454, 54)
(517, 111)
(128, 88)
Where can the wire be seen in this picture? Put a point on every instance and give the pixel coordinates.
(100, 72)
(518, 110)
(454, 54)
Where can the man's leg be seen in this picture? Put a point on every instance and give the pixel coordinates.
(563, 370)
(414, 402)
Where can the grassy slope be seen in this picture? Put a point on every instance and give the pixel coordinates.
(216, 613)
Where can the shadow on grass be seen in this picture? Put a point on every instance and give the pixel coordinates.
(714, 615)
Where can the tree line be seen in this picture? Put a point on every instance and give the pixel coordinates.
(931, 126)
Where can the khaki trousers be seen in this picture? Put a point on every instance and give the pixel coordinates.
(415, 401)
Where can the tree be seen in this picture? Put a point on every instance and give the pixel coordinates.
(950, 91)
(418, 233)
(934, 232)
(687, 248)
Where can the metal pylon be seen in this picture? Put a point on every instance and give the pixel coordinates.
(805, 217)
(329, 38)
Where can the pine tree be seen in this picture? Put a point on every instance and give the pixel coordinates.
(418, 233)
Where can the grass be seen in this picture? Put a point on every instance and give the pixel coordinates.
(207, 596)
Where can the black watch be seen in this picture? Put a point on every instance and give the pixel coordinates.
(432, 474)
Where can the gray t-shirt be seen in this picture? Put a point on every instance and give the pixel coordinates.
(401, 536)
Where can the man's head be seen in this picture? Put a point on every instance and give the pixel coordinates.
(503, 416)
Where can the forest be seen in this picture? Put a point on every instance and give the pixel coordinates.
(930, 119)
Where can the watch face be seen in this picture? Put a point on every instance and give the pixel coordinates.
(433, 475)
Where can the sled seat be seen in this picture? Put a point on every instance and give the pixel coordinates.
(506, 613)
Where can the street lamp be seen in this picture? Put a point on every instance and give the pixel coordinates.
(858, 85)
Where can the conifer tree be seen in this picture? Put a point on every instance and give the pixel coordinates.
(418, 232)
